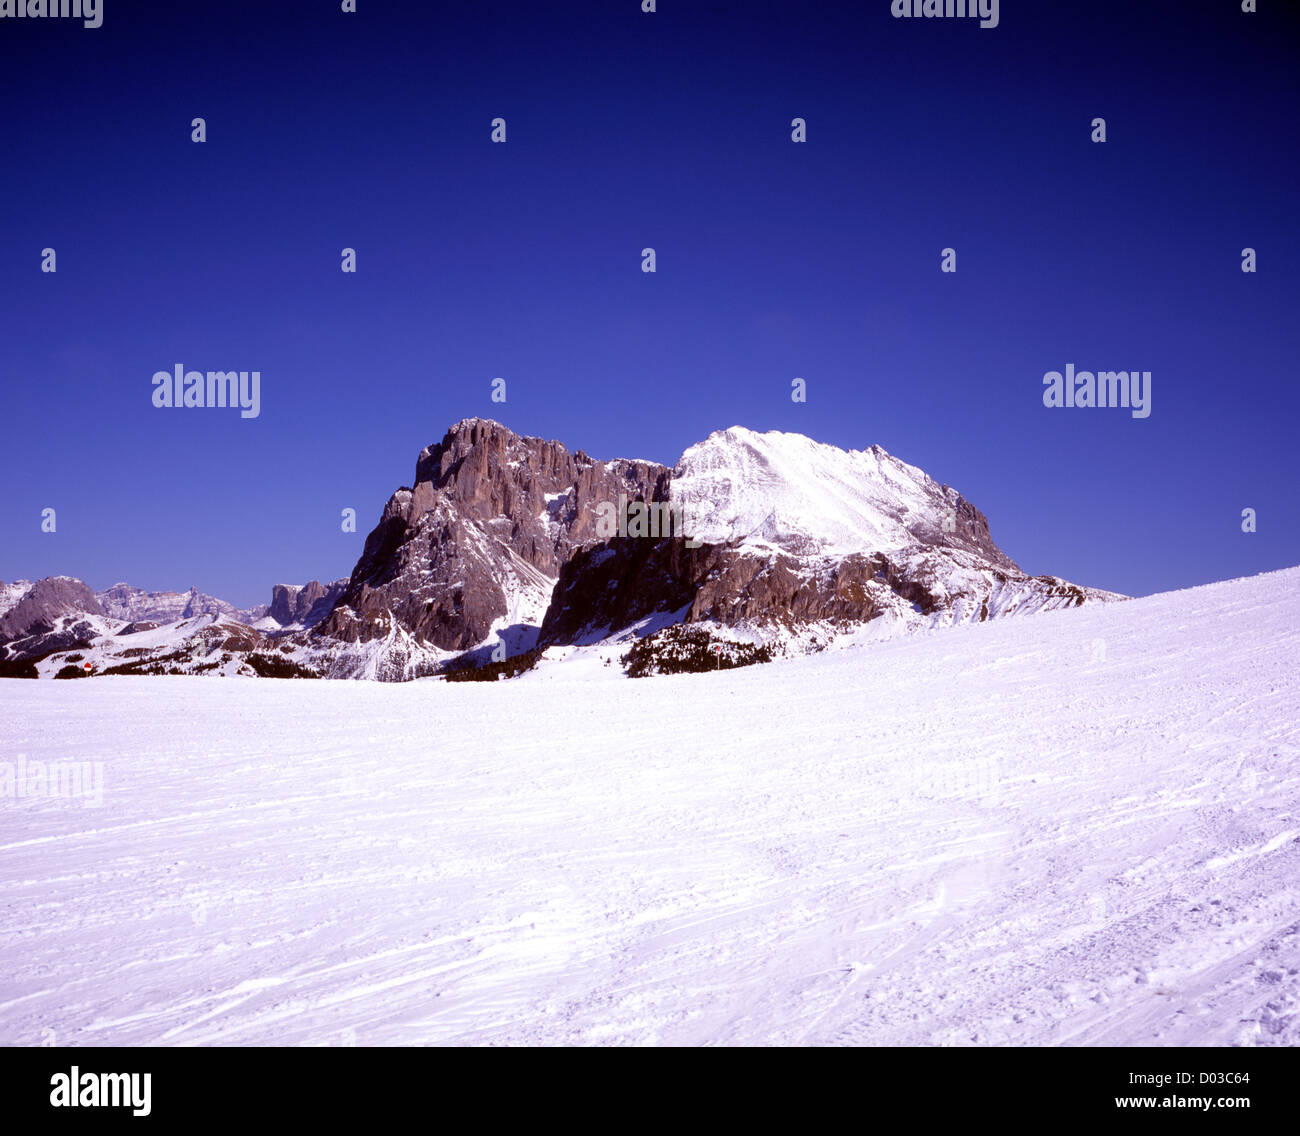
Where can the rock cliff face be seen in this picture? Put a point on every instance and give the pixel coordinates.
(773, 595)
(56, 613)
(39, 609)
(475, 546)
(610, 587)
(305, 605)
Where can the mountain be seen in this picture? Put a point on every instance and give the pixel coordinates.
(471, 552)
(56, 613)
(60, 620)
(122, 601)
(799, 543)
(59, 623)
(766, 543)
(504, 542)
(38, 607)
(786, 492)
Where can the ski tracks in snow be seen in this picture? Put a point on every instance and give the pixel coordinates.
(1002, 834)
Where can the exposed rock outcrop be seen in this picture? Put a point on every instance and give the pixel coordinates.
(304, 605)
(41, 607)
(478, 541)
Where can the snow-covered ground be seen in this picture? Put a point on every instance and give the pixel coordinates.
(1077, 828)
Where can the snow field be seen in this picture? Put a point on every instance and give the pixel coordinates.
(1075, 828)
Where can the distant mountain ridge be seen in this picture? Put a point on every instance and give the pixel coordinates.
(122, 601)
(63, 614)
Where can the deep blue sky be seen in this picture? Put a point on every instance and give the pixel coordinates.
(522, 260)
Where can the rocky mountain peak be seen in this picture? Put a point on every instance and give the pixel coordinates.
(479, 540)
(42, 605)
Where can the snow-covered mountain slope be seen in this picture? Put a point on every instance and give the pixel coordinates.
(1078, 829)
(200, 645)
(10, 594)
(58, 625)
(798, 544)
(788, 492)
